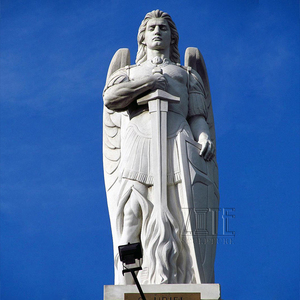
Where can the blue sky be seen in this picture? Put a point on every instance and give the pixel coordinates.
(55, 232)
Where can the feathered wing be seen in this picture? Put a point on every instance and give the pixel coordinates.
(112, 126)
(206, 253)
(112, 123)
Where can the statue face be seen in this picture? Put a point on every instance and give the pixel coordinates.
(157, 34)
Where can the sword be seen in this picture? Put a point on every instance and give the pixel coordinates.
(158, 109)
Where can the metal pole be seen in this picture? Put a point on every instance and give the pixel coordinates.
(138, 285)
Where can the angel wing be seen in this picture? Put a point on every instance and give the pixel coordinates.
(112, 122)
(112, 126)
(210, 200)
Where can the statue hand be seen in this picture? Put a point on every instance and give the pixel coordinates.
(208, 148)
(159, 81)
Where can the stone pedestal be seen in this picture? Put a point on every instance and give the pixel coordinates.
(208, 291)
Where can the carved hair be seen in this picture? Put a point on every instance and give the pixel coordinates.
(142, 53)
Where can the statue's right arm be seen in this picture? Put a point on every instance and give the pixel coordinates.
(121, 95)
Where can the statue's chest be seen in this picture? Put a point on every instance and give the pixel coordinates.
(175, 75)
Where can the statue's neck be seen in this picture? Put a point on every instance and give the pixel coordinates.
(158, 53)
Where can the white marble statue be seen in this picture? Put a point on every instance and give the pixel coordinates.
(161, 174)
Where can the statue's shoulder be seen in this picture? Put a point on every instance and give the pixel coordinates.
(119, 75)
(138, 71)
(131, 67)
(123, 72)
(189, 70)
(191, 73)
(177, 68)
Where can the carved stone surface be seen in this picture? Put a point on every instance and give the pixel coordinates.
(161, 173)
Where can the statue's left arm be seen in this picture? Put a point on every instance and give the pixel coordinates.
(198, 115)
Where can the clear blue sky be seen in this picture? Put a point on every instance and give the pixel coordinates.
(55, 232)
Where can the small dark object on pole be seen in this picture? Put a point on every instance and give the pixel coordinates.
(128, 254)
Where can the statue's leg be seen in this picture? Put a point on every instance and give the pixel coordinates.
(132, 222)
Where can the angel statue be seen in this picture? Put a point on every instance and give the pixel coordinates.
(160, 168)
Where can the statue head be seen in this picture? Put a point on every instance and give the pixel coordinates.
(142, 51)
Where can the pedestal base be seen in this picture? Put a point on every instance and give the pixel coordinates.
(208, 291)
